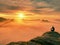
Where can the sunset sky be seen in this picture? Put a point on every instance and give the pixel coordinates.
(29, 19)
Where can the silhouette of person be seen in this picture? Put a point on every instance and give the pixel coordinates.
(52, 29)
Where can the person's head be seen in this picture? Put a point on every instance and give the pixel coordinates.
(52, 29)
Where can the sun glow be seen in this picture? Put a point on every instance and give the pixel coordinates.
(19, 17)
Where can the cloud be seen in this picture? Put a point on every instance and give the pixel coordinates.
(34, 6)
(7, 8)
(54, 3)
(57, 20)
(41, 7)
(44, 20)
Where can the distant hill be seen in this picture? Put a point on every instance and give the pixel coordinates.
(2, 19)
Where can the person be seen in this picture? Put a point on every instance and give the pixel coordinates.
(52, 29)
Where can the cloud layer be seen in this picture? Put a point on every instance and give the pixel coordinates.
(35, 6)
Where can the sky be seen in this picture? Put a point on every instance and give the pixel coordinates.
(39, 17)
(34, 6)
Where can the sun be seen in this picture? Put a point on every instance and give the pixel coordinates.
(20, 16)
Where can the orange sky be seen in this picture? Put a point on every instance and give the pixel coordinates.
(38, 17)
(29, 28)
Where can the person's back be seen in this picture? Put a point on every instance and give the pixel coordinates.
(52, 29)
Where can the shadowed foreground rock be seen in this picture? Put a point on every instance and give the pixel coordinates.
(48, 38)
